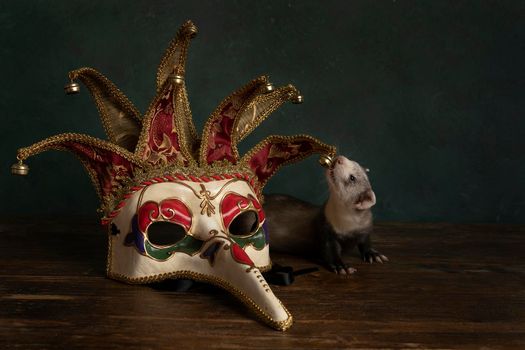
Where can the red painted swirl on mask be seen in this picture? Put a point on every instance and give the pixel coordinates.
(232, 204)
(172, 210)
(148, 213)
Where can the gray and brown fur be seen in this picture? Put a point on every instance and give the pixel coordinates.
(332, 230)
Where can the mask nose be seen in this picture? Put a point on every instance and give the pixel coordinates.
(230, 268)
(210, 252)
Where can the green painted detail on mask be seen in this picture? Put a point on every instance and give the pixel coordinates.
(258, 240)
(188, 245)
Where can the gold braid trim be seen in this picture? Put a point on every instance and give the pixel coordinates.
(144, 174)
(93, 175)
(193, 141)
(183, 123)
(257, 82)
(98, 85)
(54, 142)
(246, 300)
(246, 122)
(146, 123)
(317, 147)
(174, 59)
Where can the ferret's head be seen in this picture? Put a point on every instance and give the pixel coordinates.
(349, 183)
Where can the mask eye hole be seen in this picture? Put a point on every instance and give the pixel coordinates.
(163, 233)
(245, 224)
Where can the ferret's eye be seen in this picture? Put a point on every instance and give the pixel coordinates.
(351, 179)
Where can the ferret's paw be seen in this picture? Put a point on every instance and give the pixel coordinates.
(372, 256)
(342, 269)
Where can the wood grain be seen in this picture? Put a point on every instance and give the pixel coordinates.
(446, 286)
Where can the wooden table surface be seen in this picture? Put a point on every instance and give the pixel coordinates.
(446, 286)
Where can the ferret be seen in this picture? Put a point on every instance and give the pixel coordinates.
(328, 232)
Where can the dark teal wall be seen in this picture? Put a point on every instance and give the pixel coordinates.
(428, 94)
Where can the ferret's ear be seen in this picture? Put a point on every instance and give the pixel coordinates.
(366, 200)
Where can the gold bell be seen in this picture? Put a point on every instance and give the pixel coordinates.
(298, 99)
(191, 31)
(72, 88)
(268, 87)
(325, 160)
(19, 168)
(177, 79)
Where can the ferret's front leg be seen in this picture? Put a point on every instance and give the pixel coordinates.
(331, 251)
(368, 254)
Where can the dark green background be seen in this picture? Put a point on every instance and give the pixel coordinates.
(428, 94)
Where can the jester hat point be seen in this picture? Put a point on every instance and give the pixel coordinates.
(180, 206)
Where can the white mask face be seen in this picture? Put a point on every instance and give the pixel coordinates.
(209, 231)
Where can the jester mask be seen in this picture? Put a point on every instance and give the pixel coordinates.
(177, 205)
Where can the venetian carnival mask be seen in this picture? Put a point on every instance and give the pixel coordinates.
(180, 206)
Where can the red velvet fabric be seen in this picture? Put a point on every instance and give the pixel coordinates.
(219, 138)
(163, 145)
(108, 168)
(277, 153)
(219, 141)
